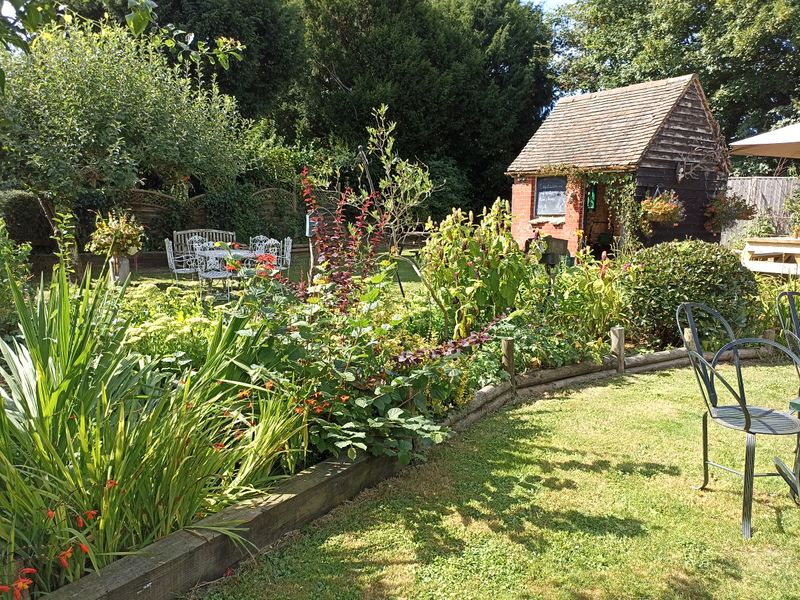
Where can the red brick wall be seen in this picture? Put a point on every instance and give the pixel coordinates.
(523, 196)
(523, 193)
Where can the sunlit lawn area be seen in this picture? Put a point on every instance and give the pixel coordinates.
(297, 271)
(584, 494)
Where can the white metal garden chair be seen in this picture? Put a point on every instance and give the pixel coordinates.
(286, 255)
(212, 267)
(183, 263)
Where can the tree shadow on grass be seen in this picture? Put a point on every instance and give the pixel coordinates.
(481, 482)
(492, 479)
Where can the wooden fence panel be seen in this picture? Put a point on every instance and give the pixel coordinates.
(768, 195)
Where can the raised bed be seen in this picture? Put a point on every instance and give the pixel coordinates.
(184, 559)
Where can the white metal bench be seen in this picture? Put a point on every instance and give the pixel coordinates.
(180, 239)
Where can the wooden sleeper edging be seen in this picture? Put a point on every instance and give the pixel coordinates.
(181, 560)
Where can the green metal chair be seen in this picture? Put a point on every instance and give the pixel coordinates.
(786, 308)
(738, 416)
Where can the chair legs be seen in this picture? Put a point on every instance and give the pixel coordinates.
(749, 468)
(705, 451)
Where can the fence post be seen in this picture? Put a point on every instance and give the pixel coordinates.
(507, 361)
(688, 339)
(771, 335)
(618, 347)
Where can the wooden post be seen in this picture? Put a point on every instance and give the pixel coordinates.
(769, 334)
(688, 339)
(618, 347)
(507, 346)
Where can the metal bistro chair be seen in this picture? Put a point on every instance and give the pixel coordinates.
(286, 256)
(212, 268)
(739, 416)
(180, 264)
(786, 308)
(262, 244)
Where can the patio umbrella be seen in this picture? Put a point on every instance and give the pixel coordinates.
(781, 143)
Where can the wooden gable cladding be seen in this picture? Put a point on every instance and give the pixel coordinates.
(688, 135)
(688, 142)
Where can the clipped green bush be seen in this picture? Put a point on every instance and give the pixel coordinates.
(675, 272)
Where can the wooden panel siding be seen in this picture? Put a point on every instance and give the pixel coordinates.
(688, 136)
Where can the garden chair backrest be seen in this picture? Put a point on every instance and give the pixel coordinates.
(181, 238)
(786, 307)
(687, 316)
(264, 245)
(287, 252)
(170, 254)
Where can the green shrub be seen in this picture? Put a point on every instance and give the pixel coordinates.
(15, 258)
(764, 315)
(676, 272)
(25, 220)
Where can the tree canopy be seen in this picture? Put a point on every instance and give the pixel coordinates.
(96, 109)
(744, 51)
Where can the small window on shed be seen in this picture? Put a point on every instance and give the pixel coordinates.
(551, 194)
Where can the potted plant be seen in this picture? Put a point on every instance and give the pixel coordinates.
(664, 208)
(724, 210)
(118, 236)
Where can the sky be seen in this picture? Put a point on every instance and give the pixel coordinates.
(551, 4)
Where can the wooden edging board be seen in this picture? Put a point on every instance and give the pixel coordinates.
(186, 558)
(178, 562)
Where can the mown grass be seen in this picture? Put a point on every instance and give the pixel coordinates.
(584, 494)
(298, 270)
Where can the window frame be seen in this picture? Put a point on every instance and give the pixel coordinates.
(536, 211)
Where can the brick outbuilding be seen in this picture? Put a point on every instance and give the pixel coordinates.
(660, 132)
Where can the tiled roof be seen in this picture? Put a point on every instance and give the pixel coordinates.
(602, 130)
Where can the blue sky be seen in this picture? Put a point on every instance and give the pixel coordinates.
(550, 4)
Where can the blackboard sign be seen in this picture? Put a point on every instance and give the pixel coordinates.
(551, 193)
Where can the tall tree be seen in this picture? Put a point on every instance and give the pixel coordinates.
(745, 52)
(465, 80)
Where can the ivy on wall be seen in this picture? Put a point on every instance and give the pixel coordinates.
(620, 189)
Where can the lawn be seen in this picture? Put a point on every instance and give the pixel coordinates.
(297, 271)
(586, 493)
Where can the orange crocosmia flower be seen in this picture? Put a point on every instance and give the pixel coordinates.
(219, 446)
(344, 397)
(111, 483)
(64, 557)
(84, 548)
(50, 513)
(20, 585)
(244, 394)
(269, 385)
(299, 410)
(5, 588)
(28, 571)
(80, 522)
(90, 515)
